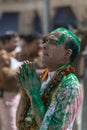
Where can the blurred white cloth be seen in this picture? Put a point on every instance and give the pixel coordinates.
(8, 108)
(17, 49)
(14, 63)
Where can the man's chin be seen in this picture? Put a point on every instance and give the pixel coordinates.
(7, 64)
(45, 62)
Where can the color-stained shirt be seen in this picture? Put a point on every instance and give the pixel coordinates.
(64, 108)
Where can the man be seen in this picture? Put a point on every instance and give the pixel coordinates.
(9, 88)
(54, 104)
(9, 92)
(30, 49)
(10, 41)
(80, 73)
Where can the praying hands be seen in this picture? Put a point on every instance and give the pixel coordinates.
(28, 78)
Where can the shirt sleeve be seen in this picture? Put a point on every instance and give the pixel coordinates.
(62, 110)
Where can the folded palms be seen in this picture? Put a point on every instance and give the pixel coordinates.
(28, 78)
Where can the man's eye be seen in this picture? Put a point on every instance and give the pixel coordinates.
(52, 40)
(45, 40)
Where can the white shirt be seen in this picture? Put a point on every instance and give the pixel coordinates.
(44, 84)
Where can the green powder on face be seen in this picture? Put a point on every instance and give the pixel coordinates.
(64, 34)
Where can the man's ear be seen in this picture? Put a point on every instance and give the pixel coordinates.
(68, 52)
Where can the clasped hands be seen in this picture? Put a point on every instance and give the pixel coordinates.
(28, 78)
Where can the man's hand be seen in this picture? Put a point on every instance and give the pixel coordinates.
(30, 84)
(28, 78)
(4, 59)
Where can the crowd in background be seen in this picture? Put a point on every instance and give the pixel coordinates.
(14, 50)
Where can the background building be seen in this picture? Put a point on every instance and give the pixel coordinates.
(25, 16)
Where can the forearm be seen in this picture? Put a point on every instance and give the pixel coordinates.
(6, 74)
(38, 107)
(11, 73)
(8, 79)
(21, 112)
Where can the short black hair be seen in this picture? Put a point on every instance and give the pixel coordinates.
(71, 44)
(8, 36)
(71, 41)
(30, 37)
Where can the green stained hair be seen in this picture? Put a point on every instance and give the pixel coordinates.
(70, 39)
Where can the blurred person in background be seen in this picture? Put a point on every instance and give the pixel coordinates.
(31, 50)
(11, 42)
(9, 88)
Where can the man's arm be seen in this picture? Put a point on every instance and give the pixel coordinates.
(37, 106)
(6, 73)
(31, 83)
(22, 111)
(8, 79)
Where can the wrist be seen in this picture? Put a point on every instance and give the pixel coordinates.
(33, 93)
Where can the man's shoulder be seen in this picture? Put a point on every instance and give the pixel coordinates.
(70, 87)
(70, 81)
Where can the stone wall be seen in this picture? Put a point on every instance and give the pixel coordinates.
(26, 10)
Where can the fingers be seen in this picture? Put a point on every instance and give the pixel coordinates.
(27, 76)
(22, 81)
(19, 78)
(27, 71)
(23, 69)
(33, 70)
(30, 69)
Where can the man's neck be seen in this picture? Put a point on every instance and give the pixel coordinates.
(51, 69)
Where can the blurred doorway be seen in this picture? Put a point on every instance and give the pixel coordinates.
(37, 24)
(9, 21)
(64, 17)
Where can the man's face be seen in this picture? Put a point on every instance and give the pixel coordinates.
(32, 48)
(35, 46)
(12, 44)
(53, 54)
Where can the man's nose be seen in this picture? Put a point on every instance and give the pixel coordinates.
(45, 46)
(41, 45)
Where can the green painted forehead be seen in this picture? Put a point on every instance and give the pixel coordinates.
(64, 34)
(55, 38)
